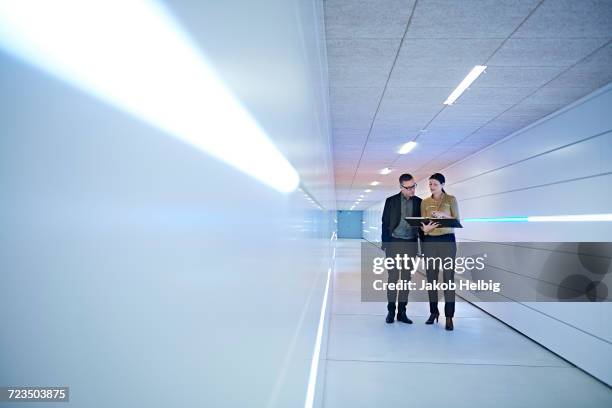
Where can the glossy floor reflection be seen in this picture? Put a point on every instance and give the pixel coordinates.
(482, 362)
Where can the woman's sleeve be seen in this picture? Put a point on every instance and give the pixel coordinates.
(454, 208)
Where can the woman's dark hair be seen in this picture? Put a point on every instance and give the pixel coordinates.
(440, 178)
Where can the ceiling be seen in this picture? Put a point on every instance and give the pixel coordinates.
(392, 63)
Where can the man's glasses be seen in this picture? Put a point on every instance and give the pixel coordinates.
(412, 187)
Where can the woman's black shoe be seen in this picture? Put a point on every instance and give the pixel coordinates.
(390, 317)
(449, 323)
(432, 317)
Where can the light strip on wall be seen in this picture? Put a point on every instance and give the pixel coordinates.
(314, 365)
(546, 218)
(467, 81)
(132, 54)
(570, 218)
(496, 219)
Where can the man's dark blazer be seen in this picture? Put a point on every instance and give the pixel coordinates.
(392, 214)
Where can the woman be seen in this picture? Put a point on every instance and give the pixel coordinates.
(440, 243)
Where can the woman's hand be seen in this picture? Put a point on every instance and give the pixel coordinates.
(429, 227)
(440, 214)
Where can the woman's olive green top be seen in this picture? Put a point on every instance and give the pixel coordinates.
(447, 204)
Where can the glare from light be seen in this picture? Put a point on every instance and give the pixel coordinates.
(386, 170)
(367, 190)
(465, 84)
(133, 55)
(374, 183)
(407, 147)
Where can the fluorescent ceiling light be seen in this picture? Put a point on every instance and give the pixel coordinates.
(467, 81)
(407, 147)
(367, 190)
(133, 55)
(386, 170)
(374, 183)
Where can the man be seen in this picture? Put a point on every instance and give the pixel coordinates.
(399, 238)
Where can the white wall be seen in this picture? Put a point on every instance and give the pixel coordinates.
(558, 165)
(141, 272)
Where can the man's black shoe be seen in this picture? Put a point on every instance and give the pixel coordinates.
(401, 317)
(389, 318)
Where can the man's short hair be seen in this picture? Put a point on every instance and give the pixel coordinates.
(405, 177)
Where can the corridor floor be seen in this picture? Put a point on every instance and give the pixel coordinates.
(481, 363)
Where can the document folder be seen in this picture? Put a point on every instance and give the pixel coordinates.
(444, 222)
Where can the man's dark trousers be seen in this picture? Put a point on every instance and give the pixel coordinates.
(399, 246)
